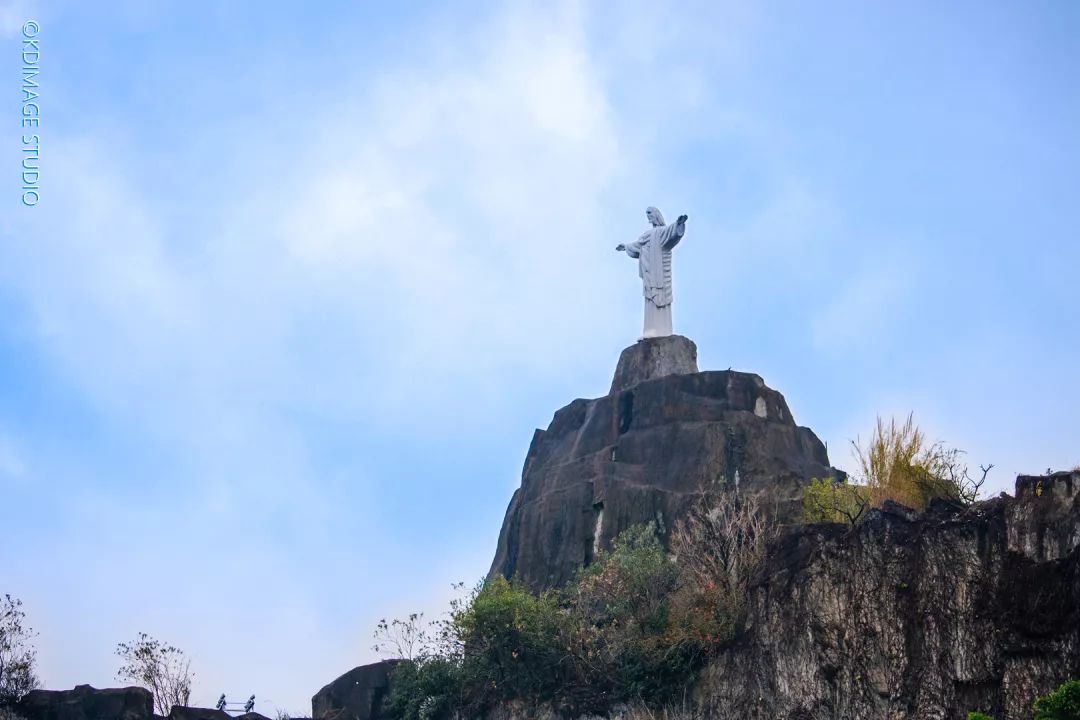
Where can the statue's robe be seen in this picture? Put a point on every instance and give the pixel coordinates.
(653, 252)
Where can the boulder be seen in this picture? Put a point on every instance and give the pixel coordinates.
(643, 453)
(359, 694)
(87, 703)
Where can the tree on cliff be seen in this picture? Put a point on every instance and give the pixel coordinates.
(159, 667)
(636, 625)
(17, 653)
(1062, 704)
(832, 500)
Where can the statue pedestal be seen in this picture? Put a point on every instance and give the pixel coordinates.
(650, 358)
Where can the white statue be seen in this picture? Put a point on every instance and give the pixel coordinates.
(653, 253)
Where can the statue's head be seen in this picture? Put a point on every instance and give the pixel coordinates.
(655, 218)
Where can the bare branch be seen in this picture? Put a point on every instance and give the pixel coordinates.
(17, 653)
(160, 668)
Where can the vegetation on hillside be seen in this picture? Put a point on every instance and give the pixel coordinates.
(636, 625)
(900, 464)
(1062, 704)
(159, 667)
(17, 653)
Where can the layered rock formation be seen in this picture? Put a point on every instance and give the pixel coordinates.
(914, 616)
(643, 452)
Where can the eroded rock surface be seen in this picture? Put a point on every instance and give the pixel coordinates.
(643, 453)
(928, 616)
(359, 694)
(907, 616)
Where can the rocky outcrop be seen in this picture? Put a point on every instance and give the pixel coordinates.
(87, 703)
(359, 694)
(913, 616)
(907, 615)
(643, 452)
(650, 358)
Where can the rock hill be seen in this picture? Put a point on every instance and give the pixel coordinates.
(905, 616)
(642, 452)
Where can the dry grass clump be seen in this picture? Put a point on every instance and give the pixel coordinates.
(899, 463)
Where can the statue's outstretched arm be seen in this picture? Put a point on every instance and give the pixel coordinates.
(633, 249)
(675, 233)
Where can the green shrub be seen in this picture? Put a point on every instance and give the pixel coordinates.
(500, 643)
(635, 626)
(632, 633)
(978, 716)
(1062, 704)
(829, 500)
(427, 688)
(511, 642)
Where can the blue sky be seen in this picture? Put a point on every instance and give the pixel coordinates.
(304, 278)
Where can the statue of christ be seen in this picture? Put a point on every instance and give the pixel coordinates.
(653, 253)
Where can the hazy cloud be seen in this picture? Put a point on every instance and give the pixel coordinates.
(12, 466)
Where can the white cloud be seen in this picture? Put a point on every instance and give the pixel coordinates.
(12, 465)
(861, 309)
(13, 13)
(444, 235)
(521, 148)
(447, 226)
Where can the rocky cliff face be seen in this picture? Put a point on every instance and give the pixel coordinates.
(905, 616)
(642, 452)
(908, 616)
(914, 616)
